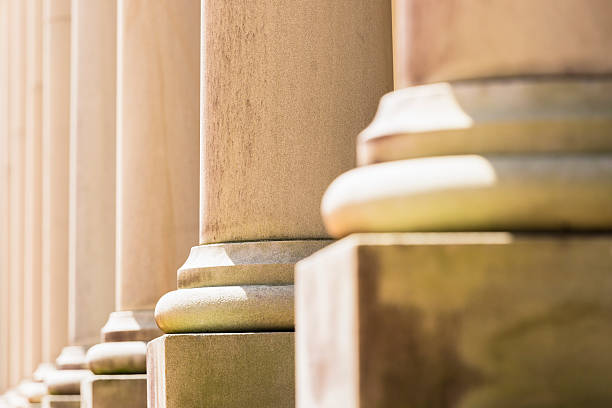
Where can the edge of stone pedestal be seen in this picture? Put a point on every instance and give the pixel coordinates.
(66, 382)
(524, 115)
(126, 357)
(61, 401)
(245, 263)
(130, 325)
(226, 309)
(473, 193)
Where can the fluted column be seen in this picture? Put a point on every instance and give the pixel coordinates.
(33, 189)
(285, 85)
(157, 184)
(475, 253)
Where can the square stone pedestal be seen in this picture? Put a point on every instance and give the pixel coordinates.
(455, 320)
(111, 391)
(221, 370)
(61, 401)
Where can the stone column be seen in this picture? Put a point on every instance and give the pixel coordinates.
(4, 207)
(16, 138)
(285, 85)
(157, 185)
(56, 142)
(33, 189)
(476, 259)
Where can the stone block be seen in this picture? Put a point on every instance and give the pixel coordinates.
(111, 391)
(61, 401)
(227, 370)
(455, 320)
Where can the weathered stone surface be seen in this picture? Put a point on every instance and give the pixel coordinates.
(491, 116)
(473, 193)
(66, 382)
(136, 325)
(459, 39)
(61, 401)
(245, 263)
(286, 86)
(221, 370)
(455, 320)
(114, 391)
(126, 357)
(71, 358)
(226, 309)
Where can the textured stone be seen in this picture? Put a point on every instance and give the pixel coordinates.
(126, 357)
(462, 39)
(490, 116)
(455, 320)
(32, 391)
(286, 86)
(221, 370)
(473, 193)
(114, 391)
(245, 263)
(226, 309)
(61, 401)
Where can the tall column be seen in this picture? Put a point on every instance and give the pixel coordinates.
(16, 123)
(285, 85)
(56, 134)
(33, 189)
(157, 190)
(4, 194)
(475, 265)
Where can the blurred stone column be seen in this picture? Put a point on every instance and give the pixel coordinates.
(16, 124)
(33, 189)
(4, 200)
(285, 85)
(157, 185)
(62, 384)
(478, 256)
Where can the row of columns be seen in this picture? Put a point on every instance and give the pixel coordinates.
(137, 163)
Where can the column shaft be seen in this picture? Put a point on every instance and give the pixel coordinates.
(33, 187)
(157, 163)
(92, 169)
(56, 132)
(16, 120)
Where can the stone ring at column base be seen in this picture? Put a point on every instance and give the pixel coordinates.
(124, 357)
(490, 116)
(130, 325)
(473, 193)
(226, 309)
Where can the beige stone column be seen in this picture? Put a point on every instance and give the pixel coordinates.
(16, 124)
(157, 185)
(475, 254)
(33, 189)
(285, 86)
(4, 207)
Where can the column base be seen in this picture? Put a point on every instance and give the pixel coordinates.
(111, 391)
(61, 401)
(221, 370)
(446, 320)
(125, 357)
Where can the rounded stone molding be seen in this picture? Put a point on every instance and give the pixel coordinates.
(130, 325)
(126, 357)
(66, 382)
(473, 193)
(33, 391)
(71, 358)
(226, 309)
(490, 117)
(245, 263)
(42, 371)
